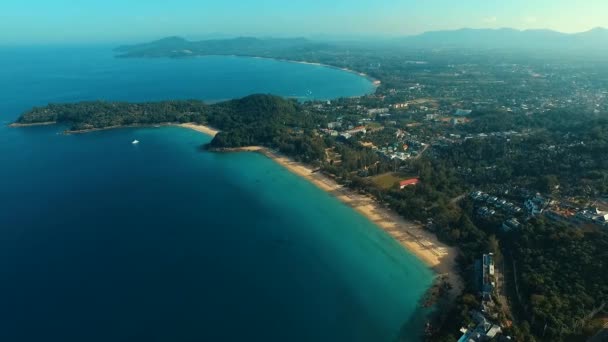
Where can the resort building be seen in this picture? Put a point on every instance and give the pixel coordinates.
(487, 275)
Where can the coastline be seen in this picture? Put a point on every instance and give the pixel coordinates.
(15, 124)
(200, 128)
(411, 236)
(375, 82)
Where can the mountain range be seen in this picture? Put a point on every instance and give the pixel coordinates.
(510, 38)
(595, 40)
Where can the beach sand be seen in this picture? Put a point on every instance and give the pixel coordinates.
(32, 124)
(422, 243)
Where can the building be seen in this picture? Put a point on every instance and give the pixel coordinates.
(593, 215)
(535, 205)
(483, 331)
(510, 224)
(408, 182)
(457, 121)
(356, 130)
(374, 111)
(463, 112)
(487, 275)
(334, 125)
(430, 117)
(401, 105)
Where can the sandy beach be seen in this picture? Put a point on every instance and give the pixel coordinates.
(200, 128)
(32, 124)
(422, 243)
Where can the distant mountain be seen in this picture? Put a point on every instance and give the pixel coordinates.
(509, 38)
(180, 47)
(595, 40)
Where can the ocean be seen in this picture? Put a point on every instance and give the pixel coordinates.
(102, 240)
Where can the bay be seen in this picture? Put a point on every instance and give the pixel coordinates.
(102, 240)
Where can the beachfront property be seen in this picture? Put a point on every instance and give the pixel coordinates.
(484, 327)
(484, 276)
(483, 331)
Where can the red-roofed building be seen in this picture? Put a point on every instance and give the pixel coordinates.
(407, 182)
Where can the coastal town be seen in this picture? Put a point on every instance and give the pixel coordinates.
(493, 173)
(419, 121)
(391, 145)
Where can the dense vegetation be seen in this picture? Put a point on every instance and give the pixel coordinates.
(561, 271)
(563, 276)
(264, 120)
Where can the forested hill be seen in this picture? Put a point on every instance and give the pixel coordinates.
(253, 120)
(243, 46)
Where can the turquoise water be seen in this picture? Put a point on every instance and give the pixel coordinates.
(103, 240)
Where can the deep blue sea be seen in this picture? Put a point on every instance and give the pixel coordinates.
(102, 240)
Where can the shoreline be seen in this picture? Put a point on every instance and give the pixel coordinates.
(374, 81)
(411, 236)
(200, 128)
(47, 123)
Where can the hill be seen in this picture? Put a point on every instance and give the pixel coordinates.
(244, 46)
(591, 41)
(509, 38)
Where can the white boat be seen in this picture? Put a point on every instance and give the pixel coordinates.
(135, 142)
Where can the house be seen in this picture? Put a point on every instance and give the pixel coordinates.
(377, 111)
(484, 331)
(485, 212)
(408, 182)
(487, 275)
(457, 121)
(510, 224)
(334, 125)
(462, 112)
(532, 208)
(358, 129)
(536, 205)
(430, 117)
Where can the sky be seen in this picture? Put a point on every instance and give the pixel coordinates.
(64, 21)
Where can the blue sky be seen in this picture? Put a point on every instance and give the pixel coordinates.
(44, 21)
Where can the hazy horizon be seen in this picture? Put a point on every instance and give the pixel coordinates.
(68, 21)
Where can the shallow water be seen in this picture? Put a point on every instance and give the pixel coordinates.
(102, 240)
